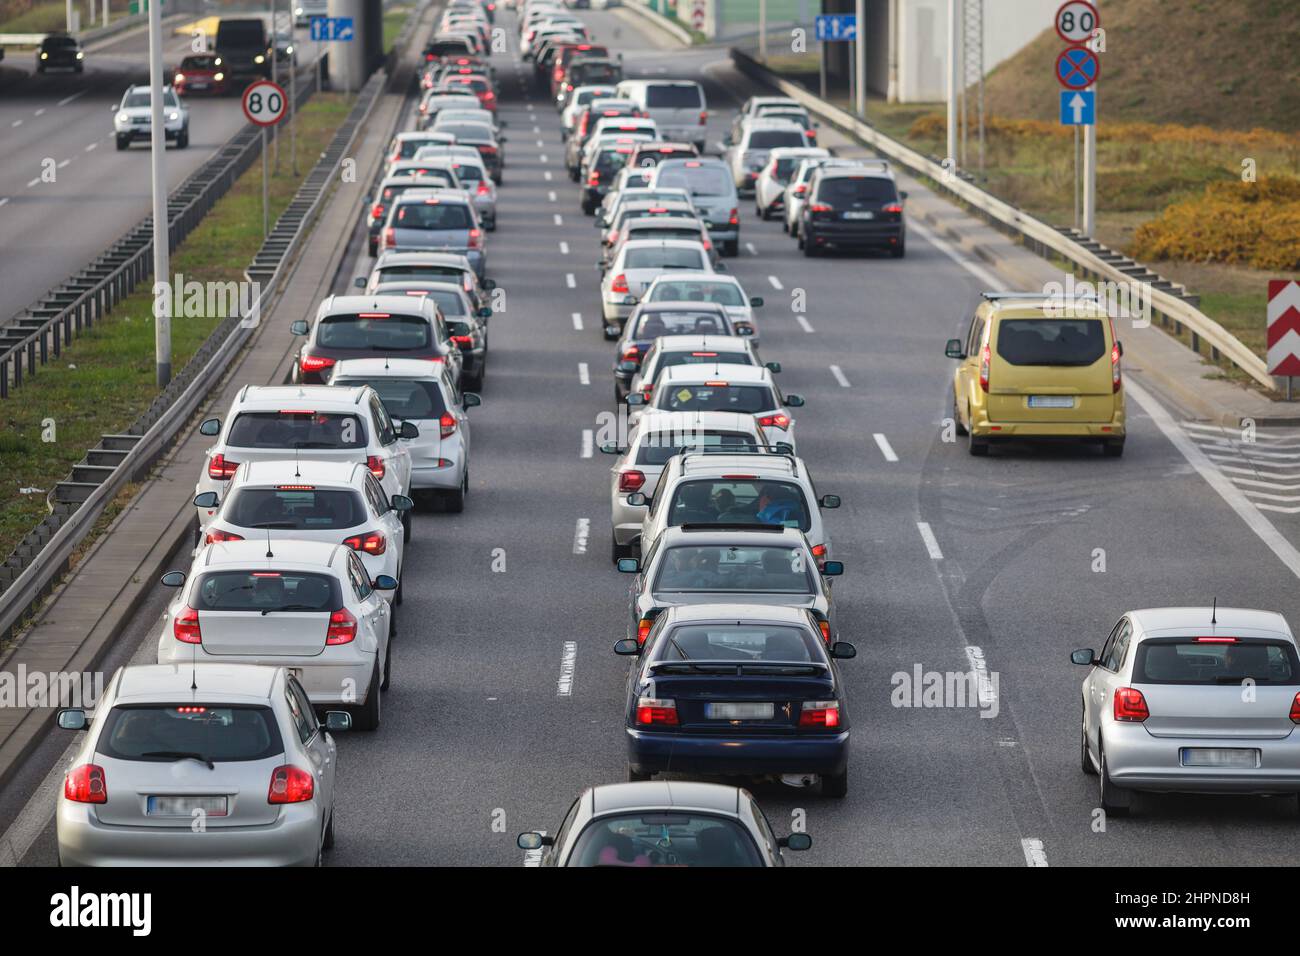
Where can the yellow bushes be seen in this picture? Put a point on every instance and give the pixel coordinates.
(1255, 224)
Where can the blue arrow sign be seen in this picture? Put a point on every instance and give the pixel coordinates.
(1078, 108)
(331, 29)
(837, 27)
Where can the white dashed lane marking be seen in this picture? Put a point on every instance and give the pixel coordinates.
(931, 542)
(838, 373)
(885, 448)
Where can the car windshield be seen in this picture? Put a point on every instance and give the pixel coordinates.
(664, 839)
(773, 138)
(666, 257)
(1051, 341)
(139, 99)
(1187, 660)
(739, 642)
(847, 190)
(651, 325)
(58, 43)
(720, 397)
(698, 290)
(771, 568)
(739, 500)
(199, 63)
(698, 180)
(405, 398)
(656, 448)
(297, 508)
(294, 428)
(375, 332)
(217, 732)
(432, 214)
(265, 591)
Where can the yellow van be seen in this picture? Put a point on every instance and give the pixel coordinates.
(1038, 367)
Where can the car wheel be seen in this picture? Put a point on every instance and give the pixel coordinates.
(898, 250)
(374, 248)
(388, 661)
(977, 446)
(183, 140)
(397, 594)
(406, 527)
(1116, 801)
(799, 239)
(731, 247)
(369, 714)
(618, 551)
(123, 142)
(327, 841)
(1085, 760)
(1114, 448)
(785, 226)
(198, 532)
(636, 776)
(758, 211)
(836, 785)
(454, 501)
(956, 417)
(809, 248)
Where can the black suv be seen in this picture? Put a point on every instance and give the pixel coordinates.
(60, 52)
(852, 208)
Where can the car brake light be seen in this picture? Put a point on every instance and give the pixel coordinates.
(819, 713)
(633, 353)
(371, 542)
(734, 218)
(655, 710)
(892, 207)
(483, 189)
(801, 189)
(290, 784)
(778, 420)
(593, 179)
(376, 465)
(1130, 705)
(447, 424)
(826, 630)
(984, 368)
(475, 238)
(1295, 710)
(1114, 368)
(377, 212)
(632, 481)
(819, 553)
(216, 536)
(819, 207)
(704, 117)
(620, 284)
(314, 363)
(221, 469)
(390, 237)
(185, 626)
(464, 341)
(86, 784)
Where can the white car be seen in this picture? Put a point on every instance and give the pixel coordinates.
(706, 286)
(769, 188)
(330, 501)
(677, 106)
(639, 264)
(311, 423)
(576, 101)
(796, 190)
(415, 391)
(672, 350)
(310, 607)
(235, 746)
(748, 152)
(133, 117)
(613, 200)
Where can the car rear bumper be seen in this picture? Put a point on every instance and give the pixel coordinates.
(1113, 429)
(1140, 761)
(292, 840)
(658, 752)
(865, 235)
(426, 476)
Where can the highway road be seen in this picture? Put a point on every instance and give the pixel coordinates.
(49, 230)
(949, 559)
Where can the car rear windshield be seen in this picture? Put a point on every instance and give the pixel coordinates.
(651, 325)
(698, 290)
(664, 257)
(658, 447)
(300, 508)
(432, 214)
(406, 398)
(774, 138)
(586, 96)
(741, 642)
(468, 172)
(449, 302)
(668, 232)
(673, 96)
(468, 132)
(266, 591)
(217, 732)
(397, 273)
(785, 169)
(611, 160)
(699, 180)
(677, 838)
(700, 357)
(847, 190)
(739, 501)
(443, 47)
(297, 429)
(595, 73)
(375, 332)
(1187, 660)
(390, 193)
(1051, 341)
(769, 568)
(747, 399)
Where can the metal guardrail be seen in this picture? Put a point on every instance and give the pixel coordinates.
(642, 9)
(159, 426)
(1083, 252)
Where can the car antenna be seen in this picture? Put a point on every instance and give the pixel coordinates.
(296, 452)
(1214, 611)
(268, 543)
(194, 667)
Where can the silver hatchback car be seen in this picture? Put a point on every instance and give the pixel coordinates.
(1192, 699)
(205, 764)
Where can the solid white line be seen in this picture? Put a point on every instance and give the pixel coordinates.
(559, 220)
(33, 818)
(988, 278)
(569, 659)
(803, 323)
(564, 248)
(839, 376)
(750, 248)
(580, 534)
(588, 440)
(584, 374)
(68, 99)
(570, 281)
(885, 448)
(931, 543)
(1035, 855)
(546, 173)
(776, 283)
(577, 321)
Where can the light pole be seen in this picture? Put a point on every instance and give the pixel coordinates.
(162, 307)
(952, 81)
(860, 59)
(1090, 166)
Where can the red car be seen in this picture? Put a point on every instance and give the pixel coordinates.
(200, 73)
(478, 84)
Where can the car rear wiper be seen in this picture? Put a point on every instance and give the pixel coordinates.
(181, 755)
(290, 607)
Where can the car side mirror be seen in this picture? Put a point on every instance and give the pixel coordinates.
(902, 194)
(829, 501)
(489, 284)
(385, 582)
(635, 399)
(794, 401)
(206, 499)
(211, 427)
(638, 499)
(533, 841)
(954, 350)
(833, 569)
(73, 719)
(756, 301)
(629, 565)
(470, 400)
(1119, 346)
(337, 721)
(484, 313)
(402, 502)
(359, 282)
(298, 327)
(843, 651)
(609, 448)
(795, 841)
(627, 647)
(408, 430)
(1084, 656)
(744, 330)
(784, 448)
(773, 367)
(627, 366)
(173, 579)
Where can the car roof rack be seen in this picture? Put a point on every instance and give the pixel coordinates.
(738, 526)
(770, 451)
(995, 296)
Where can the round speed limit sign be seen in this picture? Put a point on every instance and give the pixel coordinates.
(1075, 21)
(265, 103)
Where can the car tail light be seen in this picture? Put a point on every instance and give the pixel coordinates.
(1295, 710)
(376, 465)
(216, 536)
(647, 391)
(892, 207)
(1130, 705)
(632, 481)
(86, 784)
(611, 238)
(705, 242)
(593, 179)
(377, 212)
(656, 710)
(779, 420)
(984, 367)
(370, 542)
(487, 150)
(314, 363)
(390, 237)
(819, 713)
(819, 553)
(464, 341)
(734, 218)
(704, 117)
(447, 424)
(801, 189)
(820, 207)
(185, 626)
(475, 238)
(221, 468)
(483, 189)
(643, 629)
(633, 354)
(620, 284)
(1114, 368)
(826, 630)
(290, 784)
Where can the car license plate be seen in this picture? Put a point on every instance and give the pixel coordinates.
(185, 806)
(859, 215)
(199, 86)
(1051, 401)
(739, 711)
(1219, 757)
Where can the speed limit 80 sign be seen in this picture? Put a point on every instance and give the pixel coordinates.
(1075, 21)
(265, 103)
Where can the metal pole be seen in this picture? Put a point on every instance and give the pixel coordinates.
(821, 45)
(293, 108)
(162, 335)
(952, 80)
(1076, 177)
(266, 190)
(852, 76)
(275, 78)
(1090, 167)
(860, 60)
(762, 30)
(69, 14)
(105, 23)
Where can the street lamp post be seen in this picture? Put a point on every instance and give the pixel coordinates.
(158, 150)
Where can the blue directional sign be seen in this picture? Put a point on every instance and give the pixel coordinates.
(1078, 108)
(835, 27)
(332, 29)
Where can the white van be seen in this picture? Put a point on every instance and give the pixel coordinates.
(678, 107)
